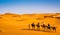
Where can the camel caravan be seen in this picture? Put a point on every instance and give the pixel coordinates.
(43, 26)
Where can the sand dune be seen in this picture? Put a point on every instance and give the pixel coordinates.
(14, 24)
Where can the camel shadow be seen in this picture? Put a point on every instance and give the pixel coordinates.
(36, 30)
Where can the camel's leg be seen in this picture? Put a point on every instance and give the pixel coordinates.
(38, 28)
(54, 30)
(32, 28)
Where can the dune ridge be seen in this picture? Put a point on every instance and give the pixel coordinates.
(11, 24)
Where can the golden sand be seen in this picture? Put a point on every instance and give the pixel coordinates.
(14, 24)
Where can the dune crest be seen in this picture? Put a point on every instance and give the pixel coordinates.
(12, 24)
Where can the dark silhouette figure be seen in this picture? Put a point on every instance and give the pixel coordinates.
(54, 28)
(33, 26)
(38, 26)
(49, 27)
(43, 26)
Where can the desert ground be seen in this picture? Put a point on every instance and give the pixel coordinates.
(17, 24)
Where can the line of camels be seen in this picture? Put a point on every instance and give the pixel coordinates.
(44, 27)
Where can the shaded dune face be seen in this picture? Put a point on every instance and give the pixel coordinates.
(11, 24)
(15, 16)
(22, 20)
(48, 16)
(38, 19)
(0, 17)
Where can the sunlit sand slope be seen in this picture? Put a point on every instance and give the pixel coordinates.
(14, 24)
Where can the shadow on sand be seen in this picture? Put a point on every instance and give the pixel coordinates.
(37, 30)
